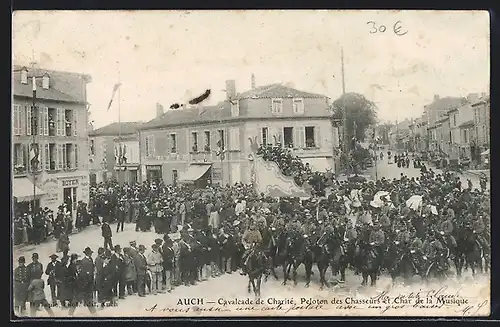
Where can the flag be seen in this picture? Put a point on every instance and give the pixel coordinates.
(200, 98)
(34, 156)
(124, 154)
(120, 154)
(115, 88)
(116, 154)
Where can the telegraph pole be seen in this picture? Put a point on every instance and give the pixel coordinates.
(34, 164)
(344, 113)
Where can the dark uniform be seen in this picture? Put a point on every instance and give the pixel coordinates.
(186, 259)
(21, 284)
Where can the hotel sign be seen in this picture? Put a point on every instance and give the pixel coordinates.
(70, 182)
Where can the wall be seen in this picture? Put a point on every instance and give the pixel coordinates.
(316, 107)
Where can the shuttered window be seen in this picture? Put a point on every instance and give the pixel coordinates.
(17, 119)
(28, 120)
(298, 105)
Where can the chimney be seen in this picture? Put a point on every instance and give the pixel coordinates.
(253, 81)
(230, 89)
(436, 97)
(159, 110)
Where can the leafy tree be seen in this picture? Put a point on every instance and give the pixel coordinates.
(360, 114)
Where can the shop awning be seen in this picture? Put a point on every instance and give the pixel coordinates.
(485, 153)
(317, 164)
(193, 173)
(23, 190)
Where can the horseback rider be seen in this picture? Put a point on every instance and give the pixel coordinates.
(377, 240)
(251, 240)
(433, 247)
(479, 228)
(447, 228)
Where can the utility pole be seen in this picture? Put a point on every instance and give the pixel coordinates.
(344, 113)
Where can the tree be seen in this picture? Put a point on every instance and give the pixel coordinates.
(360, 114)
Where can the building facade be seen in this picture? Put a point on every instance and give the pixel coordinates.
(59, 122)
(482, 122)
(104, 152)
(212, 142)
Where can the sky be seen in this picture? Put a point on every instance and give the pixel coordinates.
(171, 56)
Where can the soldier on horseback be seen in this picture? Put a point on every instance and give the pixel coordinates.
(376, 241)
(479, 228)
(252, 239)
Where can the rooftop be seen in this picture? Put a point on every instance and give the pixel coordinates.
(115, 129)
(63, 86)
(222, 110)
(467, 124)
(277, 90)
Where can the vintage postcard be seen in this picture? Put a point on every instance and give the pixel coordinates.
(250, 163)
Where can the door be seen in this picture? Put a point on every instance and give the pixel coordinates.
(67, 199)
(93, 179)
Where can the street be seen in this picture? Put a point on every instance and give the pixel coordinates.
(390, 171)
(234, 286)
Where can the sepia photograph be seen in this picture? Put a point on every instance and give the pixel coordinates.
(250, 163)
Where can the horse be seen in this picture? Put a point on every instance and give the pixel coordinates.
(276, 251)
(369, 264)
(326, 255)
(437, 267)
(298, 252)
(470, 250)
(255, 268)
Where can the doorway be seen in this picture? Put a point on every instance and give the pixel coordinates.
(69, 198)
(175, 176)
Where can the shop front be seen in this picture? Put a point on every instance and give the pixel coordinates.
(153, 172)
(25, 194)
(66, 189)
(199, 175)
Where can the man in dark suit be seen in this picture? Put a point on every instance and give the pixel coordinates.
(117, 260)
(133, 252)
(141, 267)
(51, 270)
(168, 262)
(35, 268)
(107, 234)
(99, 263)
(86, 277)
(21, 284)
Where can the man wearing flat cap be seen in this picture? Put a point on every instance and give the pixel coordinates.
(51, 270)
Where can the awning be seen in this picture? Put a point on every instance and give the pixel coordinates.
(317, 164)
(485, 153)
(193, 173)
(23, 190)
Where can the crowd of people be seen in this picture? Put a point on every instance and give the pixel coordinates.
(216, 224)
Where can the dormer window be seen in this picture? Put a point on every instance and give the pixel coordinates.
(298, 105)
(235, 108)
(45, 81)
(24, 76)
(277, 105)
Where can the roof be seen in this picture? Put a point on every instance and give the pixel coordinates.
(220, 111)
(63, 86)
(467, 124)
(446, 103)
(482, 101)
(122, 128)
(277, 90)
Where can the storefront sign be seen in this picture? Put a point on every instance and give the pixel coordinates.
(51, 187)
(70, 182)
(153, 167)
(216, 173)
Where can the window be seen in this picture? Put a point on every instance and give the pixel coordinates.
(173, 143)
(29, 121)
(17, 119)
(234, 138)
(288, 136)
(265, 133)
(298, 106)
(207, 142)
(149, 145)
(68, 120)
(454, 120)
(235, 108)
(45, 81)
(194, 141)
(277, 106)
(19, 158)
(310, 137)
(60, 156)
(24, 76)
(43, 124)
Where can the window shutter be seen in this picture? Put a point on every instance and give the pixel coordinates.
(22, 119)
(296, 137)
(169, 144)
(75, 122)
(236, 138)
(25, 155)
(226, 139)
(46, 122)
(260, 137)
(28, 119)
(317, 137)
(281, 138)
(302, 137)
(153, 145)
(46, 156)
(75, 146)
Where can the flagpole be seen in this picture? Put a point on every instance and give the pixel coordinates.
(120, 175)
(344, 114)
(33, 132)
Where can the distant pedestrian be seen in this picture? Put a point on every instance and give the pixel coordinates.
(107, 234)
